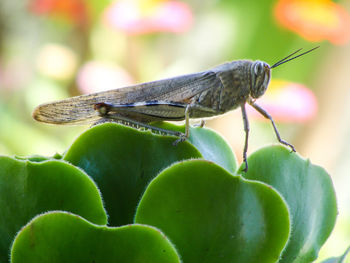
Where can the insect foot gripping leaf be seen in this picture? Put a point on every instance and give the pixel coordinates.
(212, 216)
(309, 193)
(210, 144)
(58, 237)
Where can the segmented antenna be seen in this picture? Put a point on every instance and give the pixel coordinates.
(287, 58)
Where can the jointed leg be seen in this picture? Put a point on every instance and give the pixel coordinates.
(184, 137)
(246, 130)
(105, 110)
(268, 116)
(137, 124)
(201, 124)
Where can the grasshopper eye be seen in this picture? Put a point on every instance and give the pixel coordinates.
(260, 77)
(259, 68)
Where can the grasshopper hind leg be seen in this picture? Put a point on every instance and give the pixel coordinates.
(109, 113)
(136, 124)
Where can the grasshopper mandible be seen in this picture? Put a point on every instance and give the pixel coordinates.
(200, 95)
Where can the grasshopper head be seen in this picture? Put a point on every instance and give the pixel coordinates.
(260, 77)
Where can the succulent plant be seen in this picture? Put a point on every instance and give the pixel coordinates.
(123, 195)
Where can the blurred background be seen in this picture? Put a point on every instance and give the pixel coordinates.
(54, 49)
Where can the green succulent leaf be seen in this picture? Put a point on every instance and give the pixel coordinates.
(123, 160)
(211, 215)
(309, 193)
(33, 158)
(65, 237)
(211, 145)
(340, 259)
(30, 188)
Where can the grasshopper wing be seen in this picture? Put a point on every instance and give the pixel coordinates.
(81, 110)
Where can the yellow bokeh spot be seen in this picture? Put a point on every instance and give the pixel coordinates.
(56, 61)
(317, 12)
(315, 20)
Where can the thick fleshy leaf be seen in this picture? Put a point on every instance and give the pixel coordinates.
(122, 161)
(211, 145)
(30, 188)
(64, 237)
(340, 259)
(39, 158)
(211, 215)
(309, 193)
(34, 158)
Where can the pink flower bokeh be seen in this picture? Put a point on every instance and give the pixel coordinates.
(158, 16)
(287, 102)
(96, 76)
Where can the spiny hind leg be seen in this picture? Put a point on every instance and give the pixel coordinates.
(136, 124)
(108, 113)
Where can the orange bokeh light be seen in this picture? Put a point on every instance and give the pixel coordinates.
(315, 20)
(72, 10)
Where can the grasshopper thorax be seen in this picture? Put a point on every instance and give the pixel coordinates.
(260, 76)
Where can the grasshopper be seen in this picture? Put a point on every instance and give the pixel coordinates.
(200, 95)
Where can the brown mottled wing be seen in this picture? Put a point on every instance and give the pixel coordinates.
(80, 109)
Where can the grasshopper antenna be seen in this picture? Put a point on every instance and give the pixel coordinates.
(287, 58)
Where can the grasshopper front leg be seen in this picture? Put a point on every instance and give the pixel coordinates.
(268, 116)
(246, 130)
